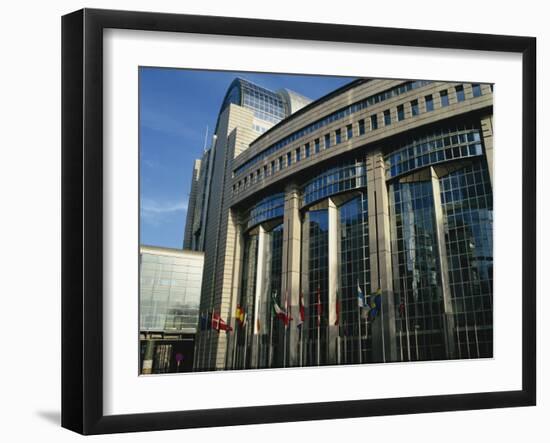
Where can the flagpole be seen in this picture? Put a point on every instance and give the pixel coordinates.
(366, 331)
(245, 344)
(284, 350)
(477, 341)
(401, 339)
(302, 345)
(235, 339)
(270, 358)
(359, 333)
(416, 340)
(382, 325)
(359, 322)
(467, 338)
(459, 344)
(338, 323)
(318, 331)
(285, 324)
(407, 317)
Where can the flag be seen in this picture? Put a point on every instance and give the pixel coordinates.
(279, 312)
(219, 323)
(375, 304)
(302, 313)
(224, 326)
(319, 307)
(337, 322)
(215, 321)
(360, 297)
(240, 316)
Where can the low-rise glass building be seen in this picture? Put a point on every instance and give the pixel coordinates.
(170, 282)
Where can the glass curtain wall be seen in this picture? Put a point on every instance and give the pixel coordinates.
(466, 198)
(353, 331)
(270, 354)
(417, 282)
(317, 302)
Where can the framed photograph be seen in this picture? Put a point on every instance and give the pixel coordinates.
(270, 221)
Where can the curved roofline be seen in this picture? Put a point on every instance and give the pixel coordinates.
(313, 104)
(229, 88)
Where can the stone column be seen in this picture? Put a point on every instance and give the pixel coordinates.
(305, 288)
(258, 291)
(291, 268)
(487, 133)
(235, 292)
(333, 260)
(448, 317)
(383, 328)
(147, 367)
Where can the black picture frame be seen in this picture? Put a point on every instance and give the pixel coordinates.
(82, 215)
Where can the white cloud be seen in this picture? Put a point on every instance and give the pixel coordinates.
(155, 211)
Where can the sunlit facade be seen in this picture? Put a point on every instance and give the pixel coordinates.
(358, 229)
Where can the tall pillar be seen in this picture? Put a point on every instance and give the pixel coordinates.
(448, 317)
(230, 362)
(332, 342)
(304, 345)
(291, 269)
(258, 291)
(487, 133)
(384, 346)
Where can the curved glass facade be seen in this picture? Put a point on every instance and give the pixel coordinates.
(416, 272)
(332, 117)
(344, 177)
(467, 202)
(317, 294)
(267, 105)
(443, 145)
(380, 249)
(267, 209)
(270, 353)
(354, 264)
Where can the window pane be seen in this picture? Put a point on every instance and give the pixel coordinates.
(414, 108)
(387, 117)
(374, 122)
(476, 89)
(429, 103)
(444, 98)
(400, 113)
(459, 93)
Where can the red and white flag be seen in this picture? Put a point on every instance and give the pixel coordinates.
(302, 316)
(219, 323)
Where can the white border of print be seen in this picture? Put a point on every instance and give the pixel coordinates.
(125, 392)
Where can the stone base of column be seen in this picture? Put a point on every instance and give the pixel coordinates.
(147, 366)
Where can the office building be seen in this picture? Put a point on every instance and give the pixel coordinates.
(354, 229)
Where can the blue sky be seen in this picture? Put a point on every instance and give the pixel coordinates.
(176, 106)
